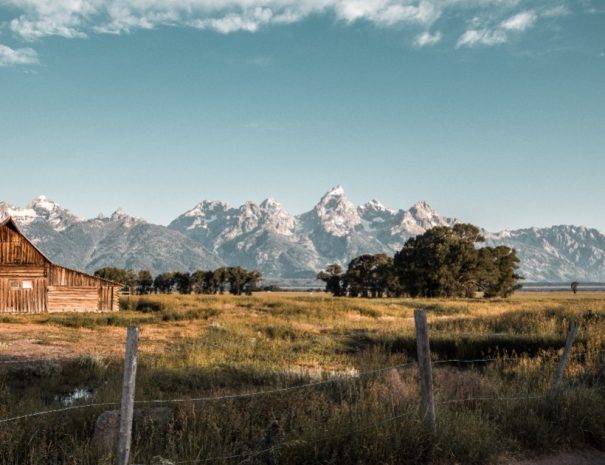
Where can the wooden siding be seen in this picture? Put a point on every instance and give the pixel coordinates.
(73, 299)
(19, 300)
(61, 276)
(22, 272)
(16, 250)
(107, 299)
(29, 283)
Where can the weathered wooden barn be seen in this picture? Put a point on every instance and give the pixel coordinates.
(31, 283)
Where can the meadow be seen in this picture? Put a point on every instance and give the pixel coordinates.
(308, 378)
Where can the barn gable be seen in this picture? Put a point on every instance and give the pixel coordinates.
(16, 249)
(30, 282)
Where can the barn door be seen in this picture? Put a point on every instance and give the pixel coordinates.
(23, 295)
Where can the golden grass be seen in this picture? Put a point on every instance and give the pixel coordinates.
(194, 346)
(304, 329)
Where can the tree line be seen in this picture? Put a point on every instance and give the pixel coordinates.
(235, 280)
(442, 262)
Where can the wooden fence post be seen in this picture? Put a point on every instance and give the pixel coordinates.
(424, 365)
(571, 336)
(128, 385)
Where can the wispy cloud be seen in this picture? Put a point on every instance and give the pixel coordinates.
(556, 11)
(426, 39)
(20, 56)
(35, 19)
(520, 21)
(498, 34)
(474, 37)
(77, 18)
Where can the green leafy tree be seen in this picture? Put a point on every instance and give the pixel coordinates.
(220, 277)
(197, 281)
(253, 279)
(182, 282)
(370, 275)
(438, 263)
(333, 278)
(237, 279)
(126, 277)
(144, 282)
(210, 283)
(164, 283)
(496, 271)
(448, 262)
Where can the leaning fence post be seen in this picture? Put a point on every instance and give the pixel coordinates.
(424, 365)
(571, 336)
(128, 385)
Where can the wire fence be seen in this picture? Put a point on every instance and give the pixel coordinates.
(297, 387)
(544, 358)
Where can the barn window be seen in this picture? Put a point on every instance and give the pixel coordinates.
(27, 285)
(14, 284)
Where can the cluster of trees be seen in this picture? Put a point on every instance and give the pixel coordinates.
(236, 280)
(442, 262)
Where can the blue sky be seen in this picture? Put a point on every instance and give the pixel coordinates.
(492, 111)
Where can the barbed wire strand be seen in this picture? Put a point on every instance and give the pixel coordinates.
(32, 362)
(207, 399)
(271, 391)
(58, 410)
(277, 390)
(319, 383)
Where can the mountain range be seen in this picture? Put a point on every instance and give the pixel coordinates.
(283, 246)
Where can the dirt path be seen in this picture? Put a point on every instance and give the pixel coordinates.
(42, 341)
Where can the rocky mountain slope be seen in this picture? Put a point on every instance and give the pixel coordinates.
(558, 253)
(119, 240)
(266, 237)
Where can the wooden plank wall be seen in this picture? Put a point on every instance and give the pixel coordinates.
(54, 287)
(61, 276)
(15, 250)
(23, 300)
(106, 294)
(22, 272)
(107, 298)
(73, 299)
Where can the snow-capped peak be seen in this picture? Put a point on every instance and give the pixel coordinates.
(375, 206)
(334, 197)
(119, 214)
(206, 207)
(336, 190)
(271, 204)
(40, 209)
(122, 217)
(276, 217)
(336, 213)
(423, 210)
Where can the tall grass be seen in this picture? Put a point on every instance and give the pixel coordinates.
(249, 344)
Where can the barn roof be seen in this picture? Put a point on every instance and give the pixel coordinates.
(11, 224)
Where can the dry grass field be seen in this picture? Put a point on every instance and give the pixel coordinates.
(215, 346)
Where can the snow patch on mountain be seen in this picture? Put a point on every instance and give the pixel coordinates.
(40, 209)
(266, 237)
(334, 213)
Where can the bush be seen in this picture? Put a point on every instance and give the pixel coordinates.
(147, 305)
